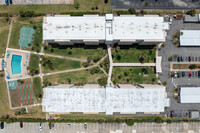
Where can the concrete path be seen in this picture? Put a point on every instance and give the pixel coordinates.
(111, 65)
(10, 30)
(133, 64)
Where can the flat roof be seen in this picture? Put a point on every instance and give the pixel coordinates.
(190, 38)
(109, 100)
(189, 18)
(91, 27)
(190, 95)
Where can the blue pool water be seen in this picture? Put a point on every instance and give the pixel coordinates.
(16, 64)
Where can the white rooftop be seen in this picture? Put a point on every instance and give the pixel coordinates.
(190, 95)
(109, 100)
(190, 38)
(109, 27)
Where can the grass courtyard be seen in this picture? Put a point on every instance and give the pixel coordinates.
(4, 29)
(76, 77)
(76, 52)
(58, 64)
(130, 75)
(132, 55)
(84, 6)
(37, 88)
(33, 64)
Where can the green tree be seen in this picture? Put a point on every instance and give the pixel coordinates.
(102, 81)
(193, 66)
(76, 4)
(105, 1)
(132, 11)
(69, 51)
(129, 122)
(191, 12)
(85, 64)
(158, 119)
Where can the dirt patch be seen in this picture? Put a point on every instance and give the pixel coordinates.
(15, 98)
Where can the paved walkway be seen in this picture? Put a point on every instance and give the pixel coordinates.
(133, 64)
(8, 41)
(111, 64)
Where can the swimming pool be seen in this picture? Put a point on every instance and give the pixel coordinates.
(16, 64)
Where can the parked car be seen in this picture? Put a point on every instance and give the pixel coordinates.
(41, 126)
(192, 58)
(186, 59)
(7, 2)
(85, 125)
(189, 59)
(183, 74)
(196, 59)
(175, 74)
(52, 124)
(178, 59)
(2, 125)
(182, 59)
(69, 125)
(190, 74)
(172, 114)
(198, 74)
(21, 124)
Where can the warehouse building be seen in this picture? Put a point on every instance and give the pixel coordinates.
(190, 38)
(190, 95)
(109, 100)
(109, 29)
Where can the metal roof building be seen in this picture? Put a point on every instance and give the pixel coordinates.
(190, 38)
(95, 29)
(104, 100)
(192, 19)
(190, 95)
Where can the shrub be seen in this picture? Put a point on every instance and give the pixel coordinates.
(29, 45)
(158, 120)
(26, 14)
(92, 8)
(85, 64)
(96, 58)
(129, 122)
(105, 1)
(94, 70)
(132, 11)
(102, 81)
(193, 66)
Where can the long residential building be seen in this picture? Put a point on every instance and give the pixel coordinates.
(108, 29)
(109, 100)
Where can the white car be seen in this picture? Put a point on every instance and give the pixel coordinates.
(41, 126)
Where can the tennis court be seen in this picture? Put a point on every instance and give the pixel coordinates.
(26, 37)
(26, 92)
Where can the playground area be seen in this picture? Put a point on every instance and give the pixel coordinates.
(26, 37)
(22, 94)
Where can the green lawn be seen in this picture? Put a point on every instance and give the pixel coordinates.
(34, 64)
(85, 5)
(77, 52)
(132, 55)
(4, 103)
(30, 22)
(37, 87)
(4, 29)
(61, 64)
(83, 76)
(129, 75)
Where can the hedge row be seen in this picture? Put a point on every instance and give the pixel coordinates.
(78, 13)
(5, 15)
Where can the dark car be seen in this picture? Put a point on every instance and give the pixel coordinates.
(198, 74)
(7, 2)
(189, 59)
(190, 74)
(52, 124)
(172, 114)
(183, 74)
(178, 59)
(10, 1)
(2, 125)
(85, 125)
(21, 124)
(182, 59)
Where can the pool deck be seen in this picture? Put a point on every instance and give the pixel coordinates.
(24, 64)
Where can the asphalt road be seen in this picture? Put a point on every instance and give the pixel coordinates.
(103, 128)
(170, 49)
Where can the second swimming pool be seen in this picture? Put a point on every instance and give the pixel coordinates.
(16, 64)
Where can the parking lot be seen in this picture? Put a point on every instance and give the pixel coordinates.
(155, 4)
(188, 55)
(192, 127)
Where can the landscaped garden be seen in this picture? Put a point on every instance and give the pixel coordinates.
(130, 75)
(76, 52)
(51, 64)
(134, 55)
(186, 66)
(33, 65)
(89, 76)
